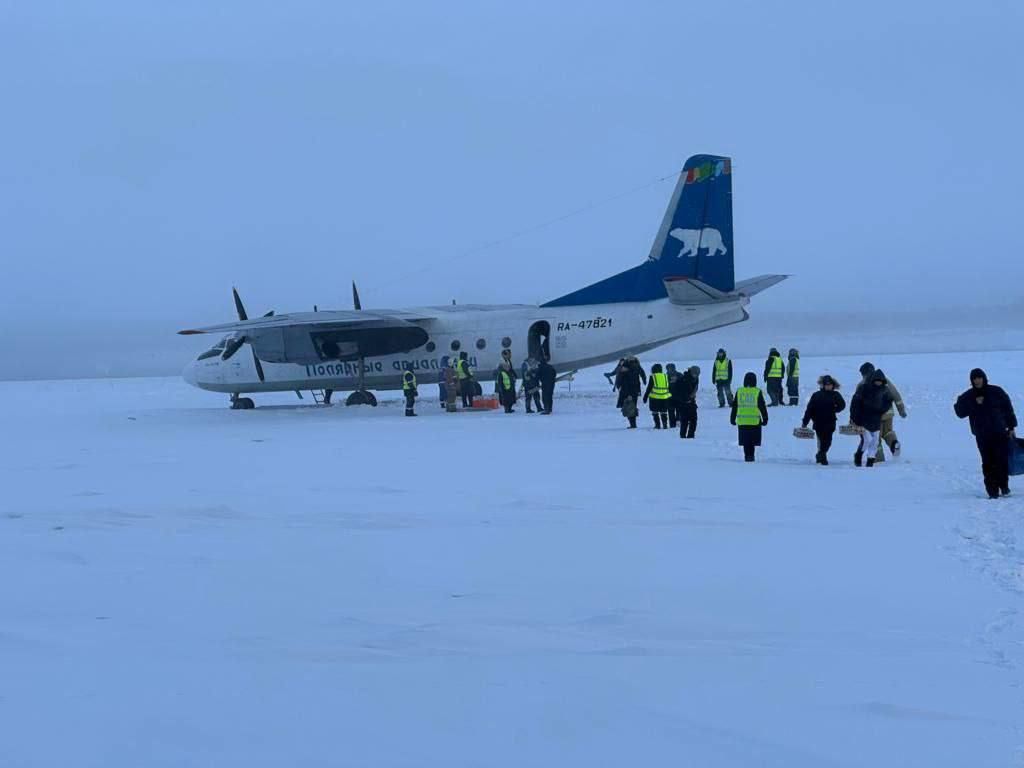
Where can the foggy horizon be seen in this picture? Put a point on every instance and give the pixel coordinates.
(159, 156)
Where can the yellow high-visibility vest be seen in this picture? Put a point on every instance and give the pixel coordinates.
(722, 370)
(775, 372)
(463, 368)
(747, 412)
(408, 381)
(794, 369)
(506, 380)
(659, 386)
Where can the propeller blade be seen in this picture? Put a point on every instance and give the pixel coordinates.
(356, 304)
(231, 347)
(259, 365)
(238, 305)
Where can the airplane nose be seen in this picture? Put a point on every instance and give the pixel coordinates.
(190, 374)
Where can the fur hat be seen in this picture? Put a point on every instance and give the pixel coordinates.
(826, 379)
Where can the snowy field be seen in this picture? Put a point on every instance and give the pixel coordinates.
(185, 585)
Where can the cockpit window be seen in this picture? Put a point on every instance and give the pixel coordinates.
(214, 351)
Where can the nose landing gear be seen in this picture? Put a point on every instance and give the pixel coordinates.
(241, 403)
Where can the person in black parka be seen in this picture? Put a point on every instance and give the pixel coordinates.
(822, 409)
(629, 382)
(869, 404)
(993, 424)
(546, 376)
(684, 400)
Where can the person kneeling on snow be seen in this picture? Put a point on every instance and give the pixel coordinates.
(749, 414)
(822, 409)
(993, 424)
(870, 403)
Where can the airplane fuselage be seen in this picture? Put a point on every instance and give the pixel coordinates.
(574, 337)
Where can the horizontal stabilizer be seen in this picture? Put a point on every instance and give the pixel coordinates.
(690, 291)
(755, 285)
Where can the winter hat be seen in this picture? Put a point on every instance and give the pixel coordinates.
(826, 379)
(671, 367)
(694, 371)
(750, 379)
(977, 373)
(656, 368)
(867, 369)
(721, 352)
(773, 351)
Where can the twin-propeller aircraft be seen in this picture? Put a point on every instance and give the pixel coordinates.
(686, 286)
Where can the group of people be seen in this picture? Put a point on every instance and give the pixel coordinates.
(457, 379)
(670, 394)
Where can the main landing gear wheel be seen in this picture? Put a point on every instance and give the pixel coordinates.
(361, 397)
(242, 403)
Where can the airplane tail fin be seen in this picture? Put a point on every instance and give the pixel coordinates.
(694, 241)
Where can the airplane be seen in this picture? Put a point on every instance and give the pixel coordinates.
(686, 286)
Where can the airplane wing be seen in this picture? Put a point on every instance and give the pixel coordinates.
(314, 320)
(307, 338)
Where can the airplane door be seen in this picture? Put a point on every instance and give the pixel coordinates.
(539, 340)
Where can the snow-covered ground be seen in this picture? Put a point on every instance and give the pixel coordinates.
(185, 585)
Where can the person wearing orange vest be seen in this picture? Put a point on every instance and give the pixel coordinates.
(658, 396)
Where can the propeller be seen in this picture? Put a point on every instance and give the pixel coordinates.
(236, 342)
(356, 304)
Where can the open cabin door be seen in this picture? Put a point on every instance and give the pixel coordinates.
(539, 340)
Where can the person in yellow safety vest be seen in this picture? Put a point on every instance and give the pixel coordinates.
(721, 374)
(467, 385)
(505, 381)
(774, 373)
(657, 394)
(410, 392)
(749, 414)
(793, 377)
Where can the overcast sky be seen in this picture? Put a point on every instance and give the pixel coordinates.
(155, 154)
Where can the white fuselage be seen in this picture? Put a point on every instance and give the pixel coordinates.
(580, 336)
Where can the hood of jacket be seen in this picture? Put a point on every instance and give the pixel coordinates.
(750, 379)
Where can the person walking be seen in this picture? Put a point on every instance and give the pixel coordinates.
(684, 395)
(822, 409)
(887, 433)
(410, 392)
(629, 381)
(721, 373)
(531, 385)
(673, 405)
(546, 377)
(451, 384)
(793, 377)
(774, 372)
(993, 424)
(657, 396)
(869, 404)
(467, 384)
(505, 382)
(749, 414)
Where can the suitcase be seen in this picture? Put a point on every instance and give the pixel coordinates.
(804, 433)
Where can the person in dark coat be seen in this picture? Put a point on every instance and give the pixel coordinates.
(774, 373)
(629, 383)
(793, 377)
(531, 385)
(684, 398)
(749, 413)
(870, 402)
(467, 383)
(546, 376)
(822, 409)
(993, 424)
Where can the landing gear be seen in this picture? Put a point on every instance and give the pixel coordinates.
(327, 396)
(361, 396)
(241, 403)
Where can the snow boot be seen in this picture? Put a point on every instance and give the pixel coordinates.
(819, 457)
(1005, 490)
(632, 422)
(858, 458)
(870, 462)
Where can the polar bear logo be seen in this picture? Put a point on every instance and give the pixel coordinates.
(694, 240)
